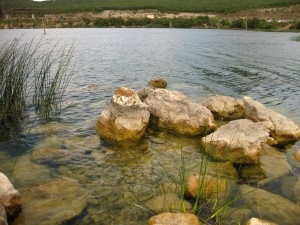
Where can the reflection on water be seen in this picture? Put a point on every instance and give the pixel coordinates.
(198, 63)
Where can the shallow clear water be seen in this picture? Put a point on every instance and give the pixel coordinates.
(199, 63)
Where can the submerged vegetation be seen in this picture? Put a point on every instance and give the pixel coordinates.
(30, 78)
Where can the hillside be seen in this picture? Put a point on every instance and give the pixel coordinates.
(224, 14)
(211, 6)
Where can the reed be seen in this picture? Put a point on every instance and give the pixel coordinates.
(26, 79)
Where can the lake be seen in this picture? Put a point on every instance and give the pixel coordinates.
(198, 63)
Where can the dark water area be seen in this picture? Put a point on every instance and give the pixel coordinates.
(198, 63)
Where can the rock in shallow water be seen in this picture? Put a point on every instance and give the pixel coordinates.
(53, 202)
(125, 119)
(174, 111)
(168, 202)
(167, 218)
(205, 186)
(238, 141)
(271, 206)
(255, 221)
(283, 130)
(225, 107)
(9, 197)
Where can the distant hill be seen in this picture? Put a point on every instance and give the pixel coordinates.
(211, 6)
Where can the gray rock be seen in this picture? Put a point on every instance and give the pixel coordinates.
(282, 129)
(9, 197)
(225, 107)
(174, 111)
(238, 141)
(125, 119)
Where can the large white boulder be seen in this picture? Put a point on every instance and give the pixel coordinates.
(9, 197)
(239, 141)
(225, 107)
(174, 111)
(283, 130)
(125, 119)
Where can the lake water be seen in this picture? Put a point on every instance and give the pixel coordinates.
(199, 63)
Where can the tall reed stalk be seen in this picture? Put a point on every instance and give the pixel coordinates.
(26, 78)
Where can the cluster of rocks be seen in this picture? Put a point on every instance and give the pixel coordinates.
(240, 141)
(243, 139)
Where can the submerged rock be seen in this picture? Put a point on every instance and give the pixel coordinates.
(53, 202)
(239, 141)
(205, 186)
(256, 221)
(158, 83)
(125, 119)
(54, 155)
(174, 111)
(167, 218)
(270, 206)
(282, 129)
(272, 164)
(225, 107)
(9, 197)
(168, 202)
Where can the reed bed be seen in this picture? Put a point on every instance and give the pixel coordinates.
(31, 76)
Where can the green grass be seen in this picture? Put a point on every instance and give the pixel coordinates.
(217, 6)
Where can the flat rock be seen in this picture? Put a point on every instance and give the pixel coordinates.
(175, 112)
(282, 129)
(53, 202)
(225, 107)
(239, 141)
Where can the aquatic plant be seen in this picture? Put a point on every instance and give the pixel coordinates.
(26, 80)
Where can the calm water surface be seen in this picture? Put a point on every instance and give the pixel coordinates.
(199, 63)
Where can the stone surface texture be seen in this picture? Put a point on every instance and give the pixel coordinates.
(239, 141)
(282, 129)
(174, 111)
(225, 107)
(125, 119)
